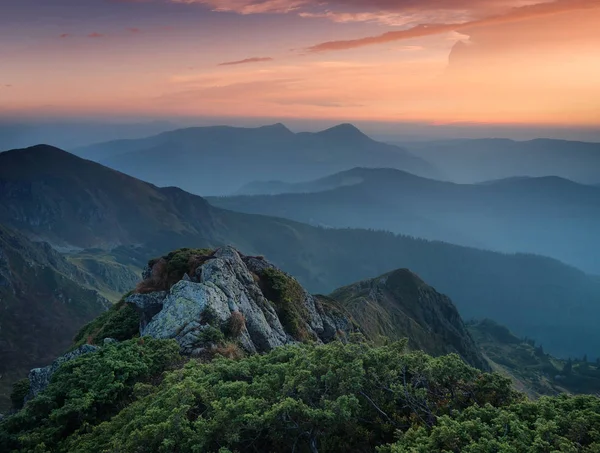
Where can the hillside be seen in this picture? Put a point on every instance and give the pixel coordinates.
(125, 221)
(401, 305)
(190, 158)
(43, 305)
(549, 216)
(218, 351)
(532, 369)
(471, 161)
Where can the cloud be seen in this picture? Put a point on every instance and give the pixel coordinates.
(96, 35)
(515, 15)
(250, 6)
(65, 35)
(134, 30)
(246, 61)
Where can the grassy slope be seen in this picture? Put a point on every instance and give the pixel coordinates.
(42, 305)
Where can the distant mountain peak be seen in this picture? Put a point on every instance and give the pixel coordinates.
(277, 128)
(344, 131)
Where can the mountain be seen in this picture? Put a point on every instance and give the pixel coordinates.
(43, 303)
(173, 367)
(401, 305)
(532, 370)
(76, 204)
(470, 161)
(200, 159)
(549, 215)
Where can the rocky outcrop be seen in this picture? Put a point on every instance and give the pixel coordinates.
(199, 309)
(400, 305)
(39, 378)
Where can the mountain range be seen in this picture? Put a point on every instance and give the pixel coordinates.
(471, 161)
(548, 215)
(106, 219)
(199, 160)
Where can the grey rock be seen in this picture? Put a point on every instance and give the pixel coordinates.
(257, 265)
(147, 301)
(108, 341)
(39, 378)
(148, 305)
(147, 272)
(221, 286)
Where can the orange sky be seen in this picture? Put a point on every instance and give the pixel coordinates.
(487, 61)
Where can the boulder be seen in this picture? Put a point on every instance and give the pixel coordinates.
(147, 305)
(225, 284)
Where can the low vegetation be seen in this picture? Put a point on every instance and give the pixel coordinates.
(139, 396)
(120, 322)
(169, 269)
(287, 296)
(532, 369)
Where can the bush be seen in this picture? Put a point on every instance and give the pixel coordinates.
(19, 391)
(85, 392)
(305, 398)
(120, 322)
(334, 397)
(235, 325)
(169, 269)
(288, 298)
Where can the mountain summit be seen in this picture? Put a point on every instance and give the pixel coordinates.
(199, 159)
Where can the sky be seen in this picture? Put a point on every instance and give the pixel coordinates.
(436, 62)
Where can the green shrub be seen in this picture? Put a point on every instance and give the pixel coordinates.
(288, 298)
(19, 392)
(85, 392)
(210, 335)
(120, 322)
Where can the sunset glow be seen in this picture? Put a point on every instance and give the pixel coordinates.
(484, 61)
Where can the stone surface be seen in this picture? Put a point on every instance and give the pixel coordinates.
(147, 305)
(225, 284)
(108, 341)
(39, 378)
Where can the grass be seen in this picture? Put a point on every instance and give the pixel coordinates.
(287, 296)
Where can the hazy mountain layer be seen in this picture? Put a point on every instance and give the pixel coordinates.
(53, 195)
(478, 160)
(549, 216)
(219, 160)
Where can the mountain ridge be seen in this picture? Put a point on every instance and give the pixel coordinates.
(149, 221)
(189, 158)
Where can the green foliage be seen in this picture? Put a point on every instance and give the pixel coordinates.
(211, 335)
(182, 261)
(288, 297)
(85, 392)
(540, 373)
(304, 398)
(561, 424)
(120, 322)
(19, 392)
(334, 398)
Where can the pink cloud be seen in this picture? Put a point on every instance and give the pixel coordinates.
(514, 15)
(246, 61)
(96, 35)
(65, 35)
